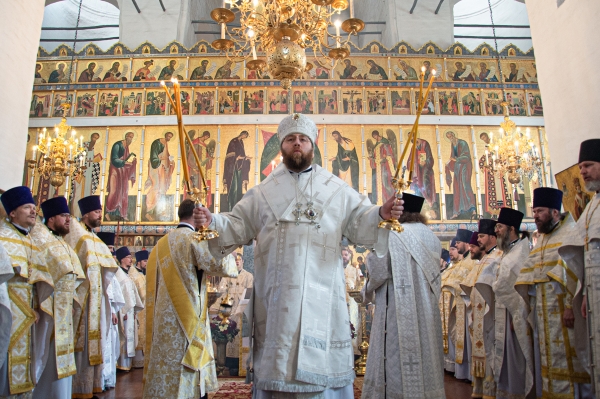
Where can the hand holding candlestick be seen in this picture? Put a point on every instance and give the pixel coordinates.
(195, 193)
(398, 183)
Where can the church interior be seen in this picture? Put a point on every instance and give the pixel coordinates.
(498, 92)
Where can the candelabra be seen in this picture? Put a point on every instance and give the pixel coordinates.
(58, 153)
(512, 153)
(398, 182)
(284, 29)
(360, 366)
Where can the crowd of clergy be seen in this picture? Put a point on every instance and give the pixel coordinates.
(513, 315)
(71, 306)
(518, 311)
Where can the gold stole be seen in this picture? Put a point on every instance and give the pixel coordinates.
(460, 328)
(20, 293)
(193, 324)
(64, 290)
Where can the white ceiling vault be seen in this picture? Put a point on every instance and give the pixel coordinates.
(415, 21)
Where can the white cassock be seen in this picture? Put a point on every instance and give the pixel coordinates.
(133, 304)
(302, 343)
(111, 344)
(406, 356)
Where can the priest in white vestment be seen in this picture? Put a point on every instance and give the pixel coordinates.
(236, 288)
(92, 320)
(127, 314)
(298, 215)
(405, 357)
(352, 276)
(138, 276)
(513, 377)
(581, 252)
(547, 288)
(110, 342)
(179, 357)
(54, 333)
(6, 273)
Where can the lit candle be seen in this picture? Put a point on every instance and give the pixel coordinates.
(487, 154)
(491, 136)
(34, 151)
(517, 148)
(224, 4)
(527, 133)
(48, 144)
(253, 52)
(337, 24)
(81, 141)
(254, 3)
(70, 151)
(222, 31)
(351, 8)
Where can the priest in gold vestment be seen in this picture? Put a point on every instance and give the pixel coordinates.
(581, 252)
(54, 331)
(547, 288)
(482, 324)
(17, 374)
(93, 320)
(137, 274)
(179, 356)
(445, 308)
(459, 311)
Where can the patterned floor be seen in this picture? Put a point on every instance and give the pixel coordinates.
(129, 386)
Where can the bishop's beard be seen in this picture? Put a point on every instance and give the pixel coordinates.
(297, 162)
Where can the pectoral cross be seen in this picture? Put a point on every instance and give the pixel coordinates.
(298, 212)
(325, 247)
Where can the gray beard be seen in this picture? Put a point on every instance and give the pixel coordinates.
(593, 186)
(503, 241)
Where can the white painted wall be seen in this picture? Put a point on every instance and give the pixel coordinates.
(565, 40)
(155, 25)
(20, 23)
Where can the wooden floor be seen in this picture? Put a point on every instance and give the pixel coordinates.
(129, 386)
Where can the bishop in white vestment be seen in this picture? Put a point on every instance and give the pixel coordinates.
(111, 343)
(581, 252)
(298, 215)
(405, 357)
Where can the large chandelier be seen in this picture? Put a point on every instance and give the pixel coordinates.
(284, 29)
(58, 153)
(512, 153)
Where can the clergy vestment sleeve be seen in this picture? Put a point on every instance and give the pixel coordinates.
(224, 267)
(238, 226)
(379, 274)
(361, 222)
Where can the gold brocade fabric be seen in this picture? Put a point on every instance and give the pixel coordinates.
(94, 256)
(445, 301)
(462, 271)
(179, 359)
(478, 307)
(555, 286)
(29, 270)
(140, 283)
(67, 273)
